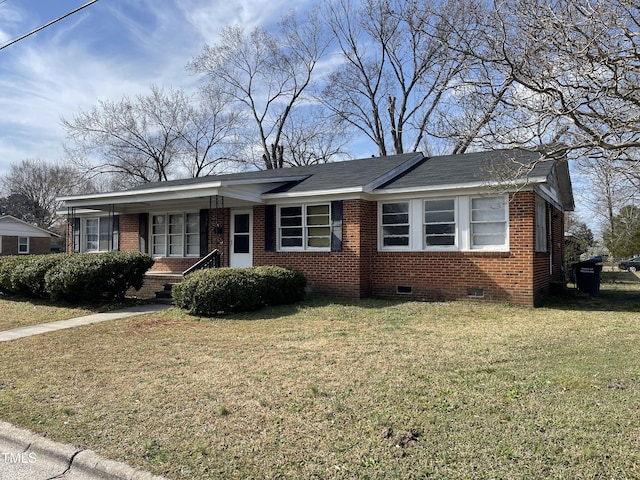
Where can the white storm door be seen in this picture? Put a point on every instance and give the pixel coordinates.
(241, 247)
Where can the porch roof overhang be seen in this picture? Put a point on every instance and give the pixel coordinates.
(236, 193)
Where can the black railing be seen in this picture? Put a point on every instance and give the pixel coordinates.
(211, 260)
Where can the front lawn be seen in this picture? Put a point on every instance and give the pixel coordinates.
(339, 389)
(16, 312)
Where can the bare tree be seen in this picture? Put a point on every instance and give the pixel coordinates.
(209, 136)
(151, 137)
(608, 188)
(310, 138)
(398, 67)
(583, 58)
(32, 186)
(268, 74)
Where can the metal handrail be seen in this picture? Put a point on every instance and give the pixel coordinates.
(211, 260)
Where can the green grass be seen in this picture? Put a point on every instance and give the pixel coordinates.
(338, 389)
(16, 312)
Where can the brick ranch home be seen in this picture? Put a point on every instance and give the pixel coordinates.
(18, 237)
(485, 226)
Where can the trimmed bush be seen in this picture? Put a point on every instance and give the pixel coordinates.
(7, 265)
(28, 277)
(280, 285)
(100, 276)
(224, 290)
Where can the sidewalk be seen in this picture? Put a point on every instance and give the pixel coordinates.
(25, 455)
(21, 332)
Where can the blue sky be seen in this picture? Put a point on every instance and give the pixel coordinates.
(108, 50)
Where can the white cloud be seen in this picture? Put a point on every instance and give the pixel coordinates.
(108, 50)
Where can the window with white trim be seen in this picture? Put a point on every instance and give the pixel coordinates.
(23, 245)
(304, 227)
(99, 235)
(489, 219)
(541, 225)
(439, 223)
(395, 225)
(175, 235)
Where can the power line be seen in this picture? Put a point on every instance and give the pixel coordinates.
(46, 24)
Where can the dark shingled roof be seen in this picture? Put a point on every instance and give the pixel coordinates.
(336, 175)
(480, 167)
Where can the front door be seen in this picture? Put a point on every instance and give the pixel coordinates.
(241, 247)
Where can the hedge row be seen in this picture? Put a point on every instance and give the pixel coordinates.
(74, 277)
(223, 290)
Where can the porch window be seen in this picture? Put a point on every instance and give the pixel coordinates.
(489, 222)
(394, 224)
(23, 245)
(439, 223)
(100, 235)
(305, 227)
(175, 235)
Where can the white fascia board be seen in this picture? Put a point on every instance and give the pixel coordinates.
(315, 199)
(478, 187)
(315, 193)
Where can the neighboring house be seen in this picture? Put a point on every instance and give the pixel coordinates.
(21, 238)
(484, 226)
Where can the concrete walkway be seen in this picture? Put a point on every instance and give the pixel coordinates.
(21, 332)
(25, 455)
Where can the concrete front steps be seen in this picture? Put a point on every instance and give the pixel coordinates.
(165, 295)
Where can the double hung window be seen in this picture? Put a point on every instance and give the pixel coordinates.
(100, 234)
(488, 222)
(175, 235)
(23, 245)
(395, 225)
(439, 223)
(305, 227)
(442, 224)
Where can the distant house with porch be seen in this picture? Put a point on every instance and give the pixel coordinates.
(18, 237)
(484, 226)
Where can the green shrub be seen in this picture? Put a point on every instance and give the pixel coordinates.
(28, 277)
(99, 276)
(224, 290)
(7, 265)
(280, 285)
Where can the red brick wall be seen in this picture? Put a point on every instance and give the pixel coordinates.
(359, 270)
(37, 245)
(330, 273)
(502, 276)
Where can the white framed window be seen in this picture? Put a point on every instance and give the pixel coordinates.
(541, 225)
(439, 225)
(175, 235)
(100, 234)
(304, 227)
(489, 222)
(394, 221)
(23, 245)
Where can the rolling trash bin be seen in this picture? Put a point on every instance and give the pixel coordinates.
(587, 275)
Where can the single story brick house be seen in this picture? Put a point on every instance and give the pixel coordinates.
(486, 226)
(18, 237)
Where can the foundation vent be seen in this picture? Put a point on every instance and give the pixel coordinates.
(475, 292)
(404, 289)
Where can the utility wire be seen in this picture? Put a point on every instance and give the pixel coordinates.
(46, 24)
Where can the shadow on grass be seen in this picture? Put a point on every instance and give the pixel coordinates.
(615, 296)
(97, 307)
(280, 311)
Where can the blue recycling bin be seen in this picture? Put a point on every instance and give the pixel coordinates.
(587, 275)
